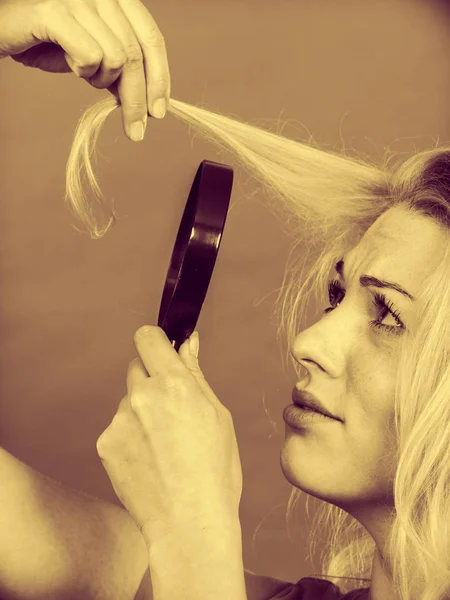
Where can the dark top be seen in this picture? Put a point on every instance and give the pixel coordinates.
(310, 588)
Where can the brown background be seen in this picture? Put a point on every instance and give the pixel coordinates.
(371, 73)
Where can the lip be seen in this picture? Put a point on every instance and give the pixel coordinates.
(304, 398)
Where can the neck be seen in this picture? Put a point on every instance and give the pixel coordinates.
(380, 586)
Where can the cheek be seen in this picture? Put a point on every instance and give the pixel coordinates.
(370, 403)
(371, 382)
(370, 419)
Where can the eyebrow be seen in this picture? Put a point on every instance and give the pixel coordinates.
(368, 280)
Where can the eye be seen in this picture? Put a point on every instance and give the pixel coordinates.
(335, 290)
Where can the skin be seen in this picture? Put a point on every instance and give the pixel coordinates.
(351, 369)
(117, 45)
(111, 44)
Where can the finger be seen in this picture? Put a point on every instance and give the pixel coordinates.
(158, 355)
(154, 51)
(82, 52)
(136, 374)
(185, 353)
(131, 85)
(114, 55)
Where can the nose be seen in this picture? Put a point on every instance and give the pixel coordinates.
(308, 363)
(304, 359)
(325, 346)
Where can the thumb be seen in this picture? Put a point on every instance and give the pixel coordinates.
(194, 344)
(189, 355)
(191, 362)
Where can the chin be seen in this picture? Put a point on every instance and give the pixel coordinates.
(312, 477)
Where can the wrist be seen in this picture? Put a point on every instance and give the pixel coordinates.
(200, 559)
(183, 538)
(185, 522)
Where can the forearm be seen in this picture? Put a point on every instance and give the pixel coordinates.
(199, 562)
(58, 542)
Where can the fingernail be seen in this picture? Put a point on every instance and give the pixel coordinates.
(159, 108)
(137, 131)
(194, 344)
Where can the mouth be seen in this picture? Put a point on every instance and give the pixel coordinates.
(306, 407)
(309, 402)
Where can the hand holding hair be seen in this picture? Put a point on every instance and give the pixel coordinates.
(112, 44)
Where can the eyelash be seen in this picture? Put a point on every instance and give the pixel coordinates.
(380, 302)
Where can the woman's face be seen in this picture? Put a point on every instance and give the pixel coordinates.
(351, 368)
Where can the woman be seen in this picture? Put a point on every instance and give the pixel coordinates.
(378, 361)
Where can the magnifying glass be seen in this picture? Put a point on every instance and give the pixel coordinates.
(195, 251)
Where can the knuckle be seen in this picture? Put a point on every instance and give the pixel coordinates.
(213, 414)
(134, 54)
(116, 60)
(226, 413)
(137, 400)
(154, 40)
(91, 60)
(100, 85)
(102, 445)
(161, 82)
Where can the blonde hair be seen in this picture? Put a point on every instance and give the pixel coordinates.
(328, 200)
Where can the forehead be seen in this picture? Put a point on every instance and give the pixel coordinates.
(400, 246)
